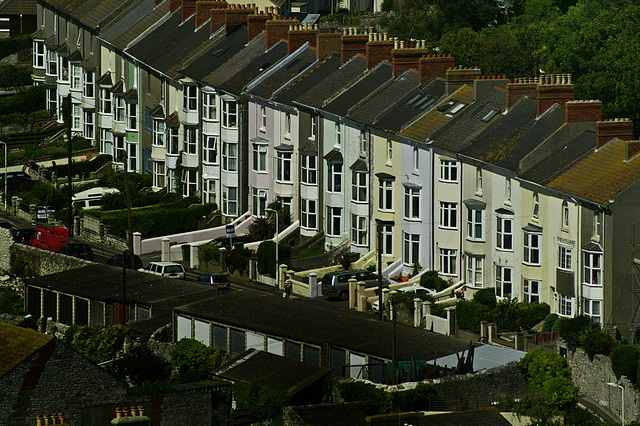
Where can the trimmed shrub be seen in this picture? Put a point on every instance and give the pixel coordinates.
(417, 399)
(624, 361)
(486, 296)
(572, 329)
(595, 341)
(530, 314)
(375, 400)
(470, 313)
(548, 323)
(238, 259)
(430, 279)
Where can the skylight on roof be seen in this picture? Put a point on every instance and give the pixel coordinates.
(476, 110)
(456, 109)
(220, 52)
(490, 115)
(414, 99)
(292, 64)
(426, 103)
(304, 66)
(444, 107)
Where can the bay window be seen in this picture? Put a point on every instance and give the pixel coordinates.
(359, 186)
(190, 140)
(158, 132)
(229, 113)
(411, 252)
(503, 281)
(334, 177)
(531, 245)
(283, 166)
(334, 218)
(448, 260)
(531, 291)
(309, 169)
(385, 194)
(504, 232)
(592, 270)
(475, 268)
(229, 156)
(359, 230)
(411, 202)
(308, 215)
(211, 149)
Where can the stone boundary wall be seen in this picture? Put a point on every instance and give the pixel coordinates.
(591, 377)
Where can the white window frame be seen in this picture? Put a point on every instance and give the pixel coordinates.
(63, 68)
(359, 227)
(565, 254)
(38, 54)
(589, 307)
(190, 98)
(565, 215)
(387, 239)
(504, 281)
(159, 174)
(158, 132)
(448, 215)
(229, 113)
(283, 166)
(173, 140)
(209, 107)
(89, 85)
(416, 160)
(531, 290)
(190, 182)
(479, 181)
(230, 200)
(309, 169)
(359, 186)
(229, 156)
(334, 177)
(596, 226)
(287, 125)
(448, 261)
(338, 135)
(385, 194)
(389, 151)
(259, 202)
(76, 113)
(190, 138)
(411, 249)
(536, 206)
(314, 126)
(105, 101)
(106, 144)
(52, 62)
(448, 171)
(209, 189)
(475, 222)
(531, 248)
(475, 270)
(334, 221)
(412, 203)
(263, 117)
(119, 109)
(308, 213)
(132, 116)
(565, 305)
(89, 128)
(76, 76)
(504, 232)
(210, 150)
(592, 268)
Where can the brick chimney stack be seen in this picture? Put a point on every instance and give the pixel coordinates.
(257, 23)
(157, 2)
(277, 29)
(457, 77)
(554, 89)
(521, 87)
(174, 5)
(299, 35)
(203, 11)
(137, 416)
(431, 66)
(236, 15)
(633, 148)
(352, 44)
(218, 15)
(406, 55)
(378, 49)
(606, 130)
(327, 43)
(484, 85)
(188, 9)
(581, 111)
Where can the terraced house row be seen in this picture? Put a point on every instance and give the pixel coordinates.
(512, 185)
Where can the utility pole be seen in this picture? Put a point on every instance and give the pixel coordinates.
(125, 158)
(66, 112)
(379, 249)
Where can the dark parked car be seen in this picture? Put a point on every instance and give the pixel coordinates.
(116, 260)
(17, 181)
(24, 235)
(220, 281)
(79, 250)
(5, 223)
(336, 284)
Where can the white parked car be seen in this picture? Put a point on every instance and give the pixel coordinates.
(164, 269)
(415, 288)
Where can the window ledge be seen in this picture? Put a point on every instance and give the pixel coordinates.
(531, 264)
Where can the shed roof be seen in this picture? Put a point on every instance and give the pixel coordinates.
(18, 344)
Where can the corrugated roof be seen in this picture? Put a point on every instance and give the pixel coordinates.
(18, 344)
(425, 126)
(599, 176)
(340, 79)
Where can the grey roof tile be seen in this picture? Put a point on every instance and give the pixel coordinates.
(267, 88)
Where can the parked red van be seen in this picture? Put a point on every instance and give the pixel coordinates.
(51, 238)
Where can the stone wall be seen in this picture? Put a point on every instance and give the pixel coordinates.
(591, 377)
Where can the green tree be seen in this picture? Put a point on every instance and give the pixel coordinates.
(193, 359)
(624, 361)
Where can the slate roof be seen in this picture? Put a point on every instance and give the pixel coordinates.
(138, 20)
(95, 14)
(67, 6)
(267, 88)
(599, 176)
(283, 375)
(458, 134)
(169, 46)
(478, 417)
(386, 98)
(559, 160)
(340, 79)
(18, 344)
(369, 83)
(245, 66)
(272, 315)
(318, 72)
(18, 7)
(224, 49)
(422, 129)
(512, 136)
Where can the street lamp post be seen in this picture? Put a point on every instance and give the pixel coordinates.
(616, 385)
(277, 263)
(6, 153)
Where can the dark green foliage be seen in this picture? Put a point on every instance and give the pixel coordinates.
(152, 388)
(530, 314)
(11, 302)
(624, 362)
(572, 329)
(262, 229)
(470, 313)
(263, 404)
(417, 399)
(267, 257)
(595, 341)
(12, 75)
(549, 379)
(386, 6)
(193, 359)
(406, 299)
(549, 321)
(308, 252)
(26, 101)
(209, 253)
(101, 343)
(13, 44)
(238, 259)
(140, 366)
(486, 297)
(559, 324)
(430, 279)
(44, 194)
(375, 400)
(83, 168)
